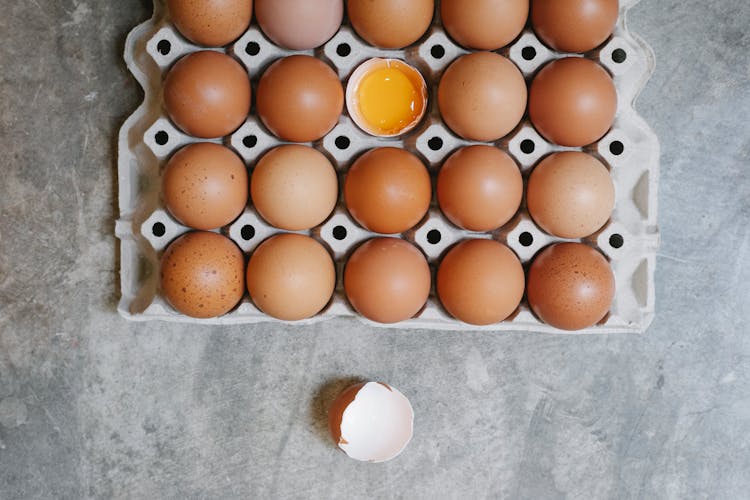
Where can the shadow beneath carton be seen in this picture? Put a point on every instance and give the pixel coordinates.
(324, 396)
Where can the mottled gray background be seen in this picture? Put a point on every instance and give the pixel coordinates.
(93, 406)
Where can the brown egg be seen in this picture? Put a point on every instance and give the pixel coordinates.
(387, 280)
(294, 187)
(390, 24)
(570, 194)
(291, 277)
(205, 185)
(202, 274)
(300, 98)
(574, 25)
(484, 24)
(479, 188)
(299, 24)
(207, 94)
(480, 282)
(211, 22)
(572, 102)
(482, 96)
(570, 286)
(388, 190)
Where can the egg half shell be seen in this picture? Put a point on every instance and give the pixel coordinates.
(371, 422)
(367, 67)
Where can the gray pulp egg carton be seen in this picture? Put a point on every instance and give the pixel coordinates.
(148, 138)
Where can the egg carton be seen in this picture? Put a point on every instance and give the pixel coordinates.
(148, 138)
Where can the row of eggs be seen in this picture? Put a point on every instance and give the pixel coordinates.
(564, 25)
(387, 190)
(292, 277)
(481, 96)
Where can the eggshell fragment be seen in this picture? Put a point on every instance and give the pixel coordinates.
(371, 422)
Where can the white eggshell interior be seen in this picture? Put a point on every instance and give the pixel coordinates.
(377, 425)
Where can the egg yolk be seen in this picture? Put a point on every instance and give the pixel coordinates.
(389, 99)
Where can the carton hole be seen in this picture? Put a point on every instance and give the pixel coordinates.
(158, 229)
(339, 232)
(161, 138)
(434, 237)
(344, 49)
(527, 146)
(619, 56)
(435, 144)
(247, 232)
(616, 241)
(528, 53)
(616, 148)
(250, 141)
(252, 48)
(164, 47)
(526, 239)
(437, 51)
(342, 142)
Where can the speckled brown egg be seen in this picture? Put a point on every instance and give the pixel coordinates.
(299, 24)
(203, 274)
(479, 188)
(207, 94)
(482, 96)
(213, 23)
(387, 280)
(570, 194)
(291, 277)
(574, 25)
(390, 24)
(572, 102)
(205, 185)
(480, 281)
(388, 190)
(570, 286)
(484, 24)
(300, 98)
(294, 187)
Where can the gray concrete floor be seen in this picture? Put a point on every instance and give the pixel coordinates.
(93, 406)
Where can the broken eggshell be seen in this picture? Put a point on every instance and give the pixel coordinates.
(369, 68)
(371, 422)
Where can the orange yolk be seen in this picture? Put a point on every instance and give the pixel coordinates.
(390, 98)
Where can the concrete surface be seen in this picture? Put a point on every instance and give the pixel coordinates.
(94, 407)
